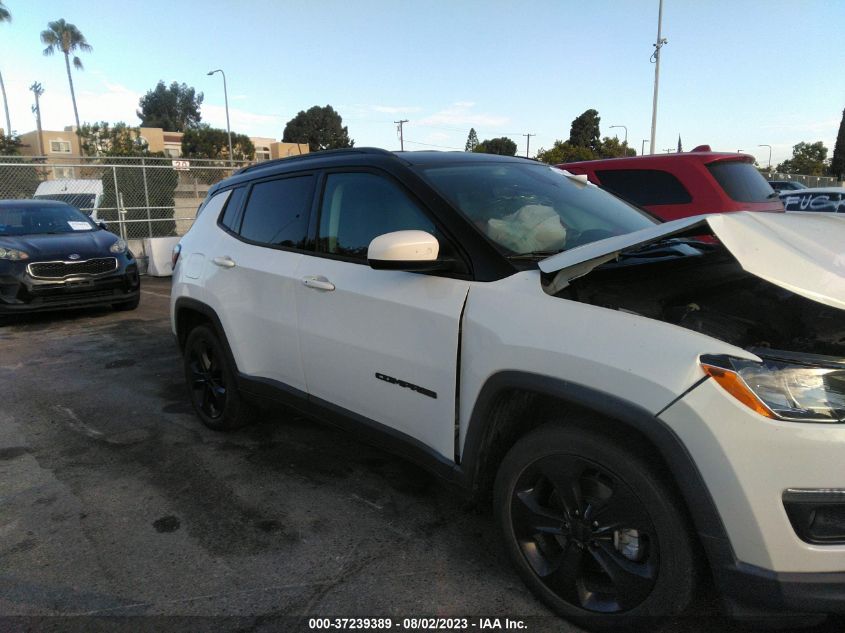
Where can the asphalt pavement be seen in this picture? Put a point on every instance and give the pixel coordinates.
(117, 507)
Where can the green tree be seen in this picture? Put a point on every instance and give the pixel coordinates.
(205, 141)
(808, 159)
(16, 181)
(174, 109)
(837, 165)
(63, 37)
(612, 148)
(5, 16)
(472, 141)
(103, 139)
(321, 128)
(10, 144)
(565, 152)
(584, 131)
(502, 145)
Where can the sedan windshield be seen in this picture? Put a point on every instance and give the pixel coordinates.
(533, 210)
(34, 220)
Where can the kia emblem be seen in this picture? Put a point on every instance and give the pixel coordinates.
(73, 256)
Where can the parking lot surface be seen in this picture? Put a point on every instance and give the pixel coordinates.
(115, 501)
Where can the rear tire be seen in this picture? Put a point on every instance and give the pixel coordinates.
(211, 382)
(593, 530)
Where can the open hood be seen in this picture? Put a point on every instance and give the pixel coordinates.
(804, 253)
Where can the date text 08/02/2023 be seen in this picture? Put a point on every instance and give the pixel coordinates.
(417, 624)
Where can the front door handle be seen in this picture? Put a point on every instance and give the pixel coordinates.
(224, 262)
(318, 282)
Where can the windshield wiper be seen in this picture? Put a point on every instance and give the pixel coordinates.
(671, 246)
(533, 255)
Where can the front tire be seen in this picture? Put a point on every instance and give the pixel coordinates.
(593, 530)
(211, 382)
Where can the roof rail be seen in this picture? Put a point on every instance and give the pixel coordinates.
(314, 155)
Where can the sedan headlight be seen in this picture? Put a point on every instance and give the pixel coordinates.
(784, 386)
(118, 247)
(13, 254)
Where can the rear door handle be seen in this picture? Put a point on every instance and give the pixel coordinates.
(224, 262)
(318, 282)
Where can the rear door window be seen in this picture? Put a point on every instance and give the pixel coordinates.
(231, 217)
(276, 213)
(742, 182)
(644, 187)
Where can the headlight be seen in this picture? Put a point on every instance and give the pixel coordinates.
(798, 388)
(13, 254)
(118, 247)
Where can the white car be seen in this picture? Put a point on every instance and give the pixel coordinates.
(84, 194)
(643, 408)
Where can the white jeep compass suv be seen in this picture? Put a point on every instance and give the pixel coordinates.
(643, 407)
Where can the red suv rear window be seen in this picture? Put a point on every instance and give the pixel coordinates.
(644, 186)
(741, 181)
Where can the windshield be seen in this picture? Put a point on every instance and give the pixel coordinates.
(534, 209)
(34, 220)
(82, 201)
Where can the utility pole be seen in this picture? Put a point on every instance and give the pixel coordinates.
(642, 148)
(401, 133)
(656, 58)
(527, 142)
(37, 90)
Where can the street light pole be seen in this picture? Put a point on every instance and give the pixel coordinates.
(656, 56)
(626, 131)
(228, 128)
(770, 154)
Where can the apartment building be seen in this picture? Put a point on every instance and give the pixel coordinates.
(61, 147)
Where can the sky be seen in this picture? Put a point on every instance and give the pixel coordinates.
(735, 74)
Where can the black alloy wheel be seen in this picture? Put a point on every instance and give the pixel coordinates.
(211, 382)
(585, 534)
(208, 384)
(594, 530)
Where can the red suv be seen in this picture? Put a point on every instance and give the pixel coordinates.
(673, 186)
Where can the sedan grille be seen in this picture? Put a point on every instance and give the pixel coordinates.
(60, 270)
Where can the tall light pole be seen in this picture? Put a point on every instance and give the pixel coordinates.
(626, 131)
(229, 129)
(642, 148)
(656, 57)
(770, 154)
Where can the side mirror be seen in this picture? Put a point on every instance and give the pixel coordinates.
(102, 224)
(412, 251)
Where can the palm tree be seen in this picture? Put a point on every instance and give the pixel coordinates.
(64, 37)
(5, 16)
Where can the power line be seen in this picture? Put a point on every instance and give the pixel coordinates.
(460, 149)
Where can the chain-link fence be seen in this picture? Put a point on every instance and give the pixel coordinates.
(809, 181)
(138, 198)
